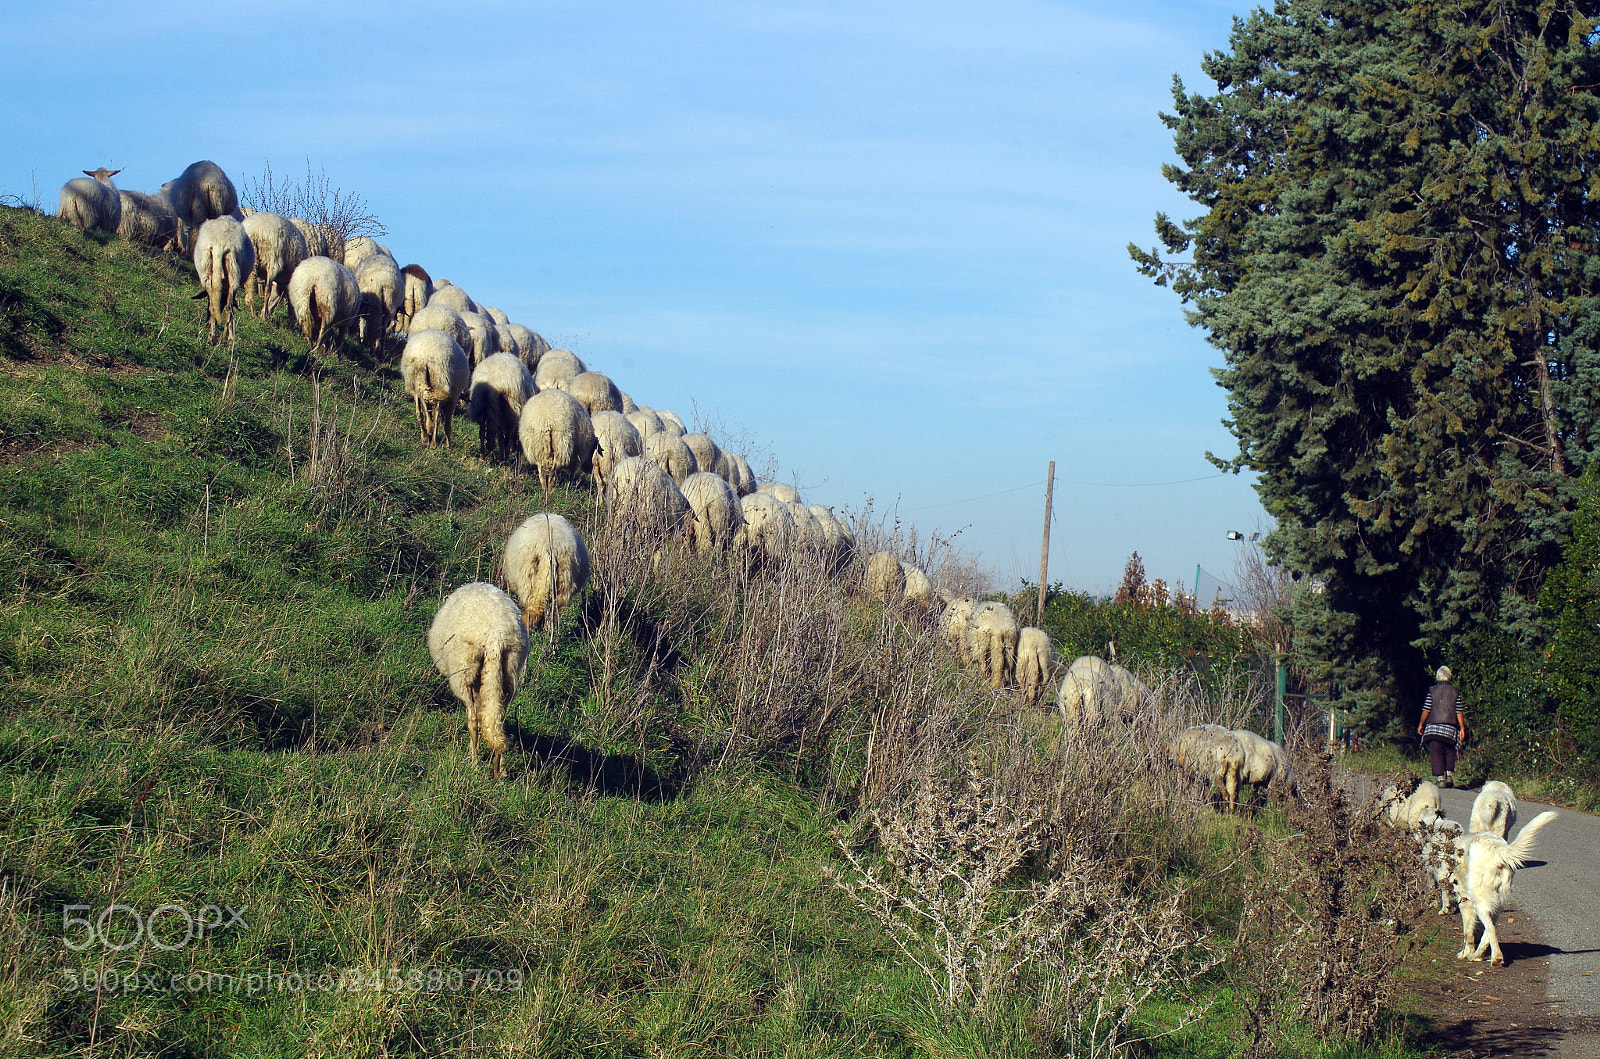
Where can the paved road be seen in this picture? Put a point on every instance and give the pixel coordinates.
(1560, 891)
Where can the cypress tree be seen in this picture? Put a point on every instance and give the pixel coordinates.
(1398, 261)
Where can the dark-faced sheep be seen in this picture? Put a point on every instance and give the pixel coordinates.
(479, 644)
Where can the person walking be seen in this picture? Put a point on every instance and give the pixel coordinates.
(1442, 727)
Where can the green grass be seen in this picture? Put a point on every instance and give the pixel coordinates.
(215, 691)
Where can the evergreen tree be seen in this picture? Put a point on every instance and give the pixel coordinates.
(1398, 261)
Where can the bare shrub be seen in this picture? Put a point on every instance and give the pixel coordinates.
(315, 200)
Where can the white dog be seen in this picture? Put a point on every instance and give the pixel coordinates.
(1407, 812)
(1494, 809)
(1442, 847)
(1483, 884)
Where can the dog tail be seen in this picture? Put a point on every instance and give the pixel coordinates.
(1516, 854)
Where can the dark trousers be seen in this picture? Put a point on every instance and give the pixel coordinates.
(1441, 755)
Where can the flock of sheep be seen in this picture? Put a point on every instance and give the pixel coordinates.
(1472, 869)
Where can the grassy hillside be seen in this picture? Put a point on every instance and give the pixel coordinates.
(237, 815)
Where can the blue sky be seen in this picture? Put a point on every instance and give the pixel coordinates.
(884, 242)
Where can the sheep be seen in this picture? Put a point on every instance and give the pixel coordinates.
(644, 421)
(809, 534)
(362, 247)
(419, 288)
(1494, 810)
(833, 536)
(1211, 753)
(530, 345)
(148, 220)
(768, 531)
(323, 300)
(919, 590)
(707, 456)
(954, 624)
(479, 644)
(201, 192)
(617, 440)
(506, 342)
(484, 342)
(627, 404)
(546, 565)
(500, 386)
(92, 201)
(993, 635)
(595, 392)
(500, 318)
(557, 435)
(436, 373)
(557, 367)
(224, 260)
(740, 476)
(671, 421)
(279, 250)
(442, 318)
(886, 580)
(671, 454)
(1036, 663)
(717, 512)
(1482, 882)
(639, 493)
(1265, 762)
(382, 297)
(321, 239)
(448, 294)
(1094, 689)
(1407, 812)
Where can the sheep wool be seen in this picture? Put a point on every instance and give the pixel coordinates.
(479, 644)
(382, 296)
(92, 201)
(788, 494)
(1094, 690)
(200, 193)
(993, 633)
(919, 590)
(419, 288)
(707, 456)
(484, 341)
(224, 260)
(279, 250)
(617, 439)
(671, 454)
(148, 220)
(595, 392)
(500, 318)
(1210, 753)
(954, 624)
(641, 495)
(436, 374)
(645, 421)
(1036, 663)
(442, 318)
(362, 247)
(323, 300)
(448, 294)
(672, 422)
(530, 344)
(717, 512)
(557, 368)
(500, 386)
(557, 435)
(321, 239)
(740, 476)
(506, 342)
(546, 565)
(886, 580)
(1265, 762)
(768, 532)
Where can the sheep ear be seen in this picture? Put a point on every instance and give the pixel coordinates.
(113, 173)
(87, 172)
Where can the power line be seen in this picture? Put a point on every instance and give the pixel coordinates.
(1071, 481)
(970, 499)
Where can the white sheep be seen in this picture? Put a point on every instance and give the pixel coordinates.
(279, 250)
(442, 318)
(1265, 762)
(955, 625)
(993, 633)
(1494, 810)
(448, 294)
(505, 340)
(645, 421)
(672, 422)
(1212, 754)
(1036, 663)
(557, 367)
(835, 553)
(919, 590)
(500, 386)
(499, 317)
(530, 344)
(628, 404)
(768, 531)
(740, 476)
(362, 247)
(717, 512)
(642, 495)
(91, 201)
(1095, 690)
(485, 343)
(436, 375)
(200, 193)
(321, 239)
(670, 454)
(479, 644)
(382, 297)
(810, 536)
(786, 493)
(224, 260)
(323, 300)
(885, 578)
(546, 565)
(595, 392)
(707, 455)
(557, 435)
(148, 220)
(419, 288)
(617, 439)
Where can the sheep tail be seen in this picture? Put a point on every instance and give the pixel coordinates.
(491, 708)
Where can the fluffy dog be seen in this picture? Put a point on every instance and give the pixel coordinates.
(1494, 810)
(1482, 883)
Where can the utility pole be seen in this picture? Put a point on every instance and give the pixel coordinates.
(1044, 551)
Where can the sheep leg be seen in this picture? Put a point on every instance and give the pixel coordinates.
(472, 727)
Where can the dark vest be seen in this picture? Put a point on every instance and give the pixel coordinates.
(1443, 708)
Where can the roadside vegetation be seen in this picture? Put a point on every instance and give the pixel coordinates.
(748, 812)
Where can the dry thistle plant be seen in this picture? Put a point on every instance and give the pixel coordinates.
(316, 201)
